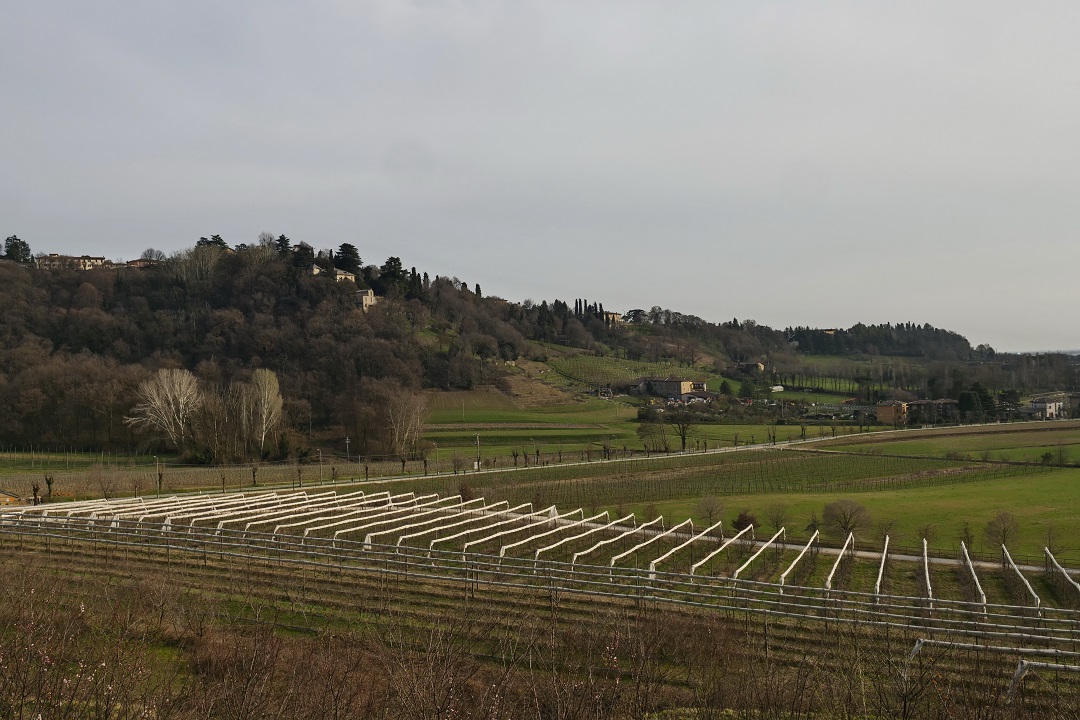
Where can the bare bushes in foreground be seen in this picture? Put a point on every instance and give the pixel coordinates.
(114, 643)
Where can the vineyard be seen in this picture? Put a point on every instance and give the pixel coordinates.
(460, 537)
(476, 546)
(761, 472)
(407, 560)
(592, 371)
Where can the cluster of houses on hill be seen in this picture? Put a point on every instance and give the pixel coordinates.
(365, 299)
(890, 412)
(55, 261)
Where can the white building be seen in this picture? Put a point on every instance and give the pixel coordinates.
(1047, 409)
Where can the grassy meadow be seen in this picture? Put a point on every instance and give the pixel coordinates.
(1039, 502)
(1027, 442)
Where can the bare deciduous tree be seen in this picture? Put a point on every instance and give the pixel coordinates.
(195, 267)
(928, 532)
(222, 425)
(1001, 529)
(710, 508)
(167, 402)
(886, 528)
(683, 424)
(966, 536)
(777, 515)
(267, 406)
(845, 516)
(1053, 538)
(406, 411)
(653, 436)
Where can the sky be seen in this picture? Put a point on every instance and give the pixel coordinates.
(795, 163)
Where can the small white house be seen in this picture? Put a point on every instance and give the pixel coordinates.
(1047, 409)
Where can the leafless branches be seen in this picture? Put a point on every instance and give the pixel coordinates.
(223, 422)
(167, 402)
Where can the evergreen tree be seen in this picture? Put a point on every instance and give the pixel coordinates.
(214, 240)
(414, 290)
(392, 274)
(17, 250)
(347, 258)
(303, 256)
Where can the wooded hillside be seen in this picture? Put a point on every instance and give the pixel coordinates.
(75, 345)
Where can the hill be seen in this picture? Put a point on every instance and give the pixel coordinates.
(75, 345)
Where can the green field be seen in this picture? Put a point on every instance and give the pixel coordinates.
(594, 371)
(451, 403)
(912, 492)
(914, 479)
(1039, 502)
(594, 423)
(1027, 442)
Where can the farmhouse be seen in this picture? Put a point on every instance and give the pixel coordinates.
(665, 387)
(892, 412)
(753, 369)
(1044, 408)
(933, 411)
(670, 387)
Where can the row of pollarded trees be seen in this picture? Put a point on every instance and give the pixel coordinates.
(219, 422)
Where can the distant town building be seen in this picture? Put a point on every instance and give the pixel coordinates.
(55, 261)
(143, 263)
(613, 318)
(750, 368)
(365, 299)
(339, 275)
(892, 412)
(930, 412)
(670, 387)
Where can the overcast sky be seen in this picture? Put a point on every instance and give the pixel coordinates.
(803, 163)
